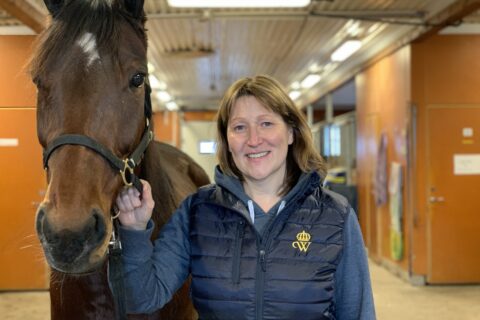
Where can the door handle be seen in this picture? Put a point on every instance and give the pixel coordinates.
(433, 199)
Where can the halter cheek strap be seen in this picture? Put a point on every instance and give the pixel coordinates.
(124, 166)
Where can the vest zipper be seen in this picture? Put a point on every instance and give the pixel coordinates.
(263, 243)
(262, 260)
(261, 267)
(237, 252)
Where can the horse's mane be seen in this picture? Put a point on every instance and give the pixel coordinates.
(96, 17)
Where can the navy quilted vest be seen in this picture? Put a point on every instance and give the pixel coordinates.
(286, 273)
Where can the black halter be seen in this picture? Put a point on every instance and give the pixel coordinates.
(125, 166)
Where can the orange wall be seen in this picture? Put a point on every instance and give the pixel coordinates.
(167, 124)
(16, 88)
(23, 181)
(383, 92)
(167, 127)
(442, 69)
(445, 70)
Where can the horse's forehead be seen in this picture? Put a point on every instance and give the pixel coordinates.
(97, 3)
(88, 43)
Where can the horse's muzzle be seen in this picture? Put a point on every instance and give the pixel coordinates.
(68, 250)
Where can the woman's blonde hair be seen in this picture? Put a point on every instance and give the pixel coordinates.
(301, 157)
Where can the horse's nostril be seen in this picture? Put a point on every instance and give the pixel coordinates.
(99, 227)
(39, 220)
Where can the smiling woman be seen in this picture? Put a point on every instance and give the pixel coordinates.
(258, 140)
(266, 241)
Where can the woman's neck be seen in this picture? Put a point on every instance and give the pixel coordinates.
(266, 196)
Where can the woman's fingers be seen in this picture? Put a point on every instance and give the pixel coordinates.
(147, 194)
(128, 200)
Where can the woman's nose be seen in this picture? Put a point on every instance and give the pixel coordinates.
(254, 137)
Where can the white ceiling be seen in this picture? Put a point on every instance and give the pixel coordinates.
(198, 53)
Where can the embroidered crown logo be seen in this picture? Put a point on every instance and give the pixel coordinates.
(303, 241)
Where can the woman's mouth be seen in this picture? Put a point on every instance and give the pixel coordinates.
(257, 155)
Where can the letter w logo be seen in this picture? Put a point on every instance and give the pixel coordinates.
(302, 242)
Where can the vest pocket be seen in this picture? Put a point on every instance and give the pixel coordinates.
(237, 251)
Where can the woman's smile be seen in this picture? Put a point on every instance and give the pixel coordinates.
(258, 139)
(257, 155)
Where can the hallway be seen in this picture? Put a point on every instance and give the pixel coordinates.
(394, 300)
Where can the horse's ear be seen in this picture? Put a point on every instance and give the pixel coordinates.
(135, 7)
(53, 6)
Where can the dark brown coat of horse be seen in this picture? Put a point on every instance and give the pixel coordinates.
(90, 69)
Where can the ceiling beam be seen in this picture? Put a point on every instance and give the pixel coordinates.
(452, 15)
(24, 12)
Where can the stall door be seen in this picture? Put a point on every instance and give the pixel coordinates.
(22, 182)
(454, 194)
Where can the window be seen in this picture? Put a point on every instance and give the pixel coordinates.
(207, 147)
(332, 141)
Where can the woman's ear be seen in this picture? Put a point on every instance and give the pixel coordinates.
(290, 135)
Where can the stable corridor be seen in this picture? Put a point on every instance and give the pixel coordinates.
(395, 299)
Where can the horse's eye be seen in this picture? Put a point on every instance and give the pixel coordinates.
(137, 80)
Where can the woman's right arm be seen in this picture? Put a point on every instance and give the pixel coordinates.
(154, 272)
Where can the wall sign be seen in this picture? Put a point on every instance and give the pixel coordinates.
(466, 164)
(8, 142)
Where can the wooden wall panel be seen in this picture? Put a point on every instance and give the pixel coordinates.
(445, 70)
(23, 181)
(16, 88)
(383, 92)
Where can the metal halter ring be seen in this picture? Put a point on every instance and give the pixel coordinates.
(116, 211)
(128, 166)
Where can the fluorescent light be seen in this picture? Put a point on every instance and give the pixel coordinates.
(164, 96)
(172, 106)
(346, 50)
(155, 84)
(310, 81)
(295, 85)
(238, 3)
(151, 68)
(294, 94)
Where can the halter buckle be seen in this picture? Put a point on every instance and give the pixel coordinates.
(127, 172)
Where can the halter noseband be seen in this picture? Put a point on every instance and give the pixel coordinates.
(124, 166)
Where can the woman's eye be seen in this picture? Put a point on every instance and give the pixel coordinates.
(267, 124)
(137, 80)
(239, 128)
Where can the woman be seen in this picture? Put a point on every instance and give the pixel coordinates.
(266, 241)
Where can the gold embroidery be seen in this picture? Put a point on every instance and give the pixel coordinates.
(303, 241)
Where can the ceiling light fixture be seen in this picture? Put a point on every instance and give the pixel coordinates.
(310, 81)
(171, 106)
(155, 84)
(164, 96)
(294, 94)
(348, 48)
(238, 3)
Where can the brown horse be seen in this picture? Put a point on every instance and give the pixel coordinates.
(90, 69)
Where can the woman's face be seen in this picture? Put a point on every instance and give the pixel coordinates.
(258, 139)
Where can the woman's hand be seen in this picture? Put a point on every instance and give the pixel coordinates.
(135, 212)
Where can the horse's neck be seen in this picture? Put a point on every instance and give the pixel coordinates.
(163, 192)
(173, 175)
(81, 297)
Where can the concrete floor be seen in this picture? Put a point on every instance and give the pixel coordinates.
(395, 299)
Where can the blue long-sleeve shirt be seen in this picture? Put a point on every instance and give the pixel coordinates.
(155, 272)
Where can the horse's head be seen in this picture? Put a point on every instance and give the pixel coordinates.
(90, 69)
